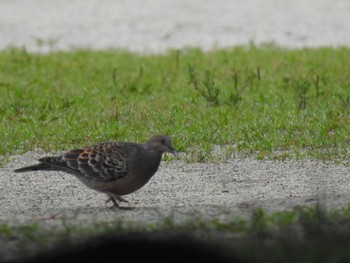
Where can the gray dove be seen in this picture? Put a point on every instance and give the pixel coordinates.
(114, 168)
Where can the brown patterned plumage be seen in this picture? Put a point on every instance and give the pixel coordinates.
(114, 168)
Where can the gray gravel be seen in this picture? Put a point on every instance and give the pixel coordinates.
(185, 191)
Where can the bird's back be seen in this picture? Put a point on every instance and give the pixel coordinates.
(101, 162)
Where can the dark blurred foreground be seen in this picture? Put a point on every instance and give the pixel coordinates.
(315, 237)
(138, 247)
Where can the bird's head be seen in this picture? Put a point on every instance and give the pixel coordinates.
(160, 144)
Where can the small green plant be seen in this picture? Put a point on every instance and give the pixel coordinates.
(301, 88)
(50, 43)
(235, 96)
(206, 88)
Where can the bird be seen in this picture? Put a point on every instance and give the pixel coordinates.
(113, 168)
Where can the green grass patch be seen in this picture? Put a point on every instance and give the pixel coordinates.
(258, 100)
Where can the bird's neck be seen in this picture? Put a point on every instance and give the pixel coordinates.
(152, 162)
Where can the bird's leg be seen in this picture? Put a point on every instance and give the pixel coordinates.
(114, 198)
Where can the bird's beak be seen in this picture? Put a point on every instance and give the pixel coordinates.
(173, 151)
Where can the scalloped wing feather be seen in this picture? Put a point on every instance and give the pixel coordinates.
(102, 162)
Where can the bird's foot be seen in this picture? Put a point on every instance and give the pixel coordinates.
(115, 199)
(111, 199)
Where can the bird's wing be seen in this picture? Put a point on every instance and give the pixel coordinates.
(102, 162)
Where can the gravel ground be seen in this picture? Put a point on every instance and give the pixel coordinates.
(184, 191)
(179, 189)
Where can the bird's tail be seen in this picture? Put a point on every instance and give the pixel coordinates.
(36, 167)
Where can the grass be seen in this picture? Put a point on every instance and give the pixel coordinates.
(258, 100)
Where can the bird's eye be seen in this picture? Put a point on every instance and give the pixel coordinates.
(162, 141)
